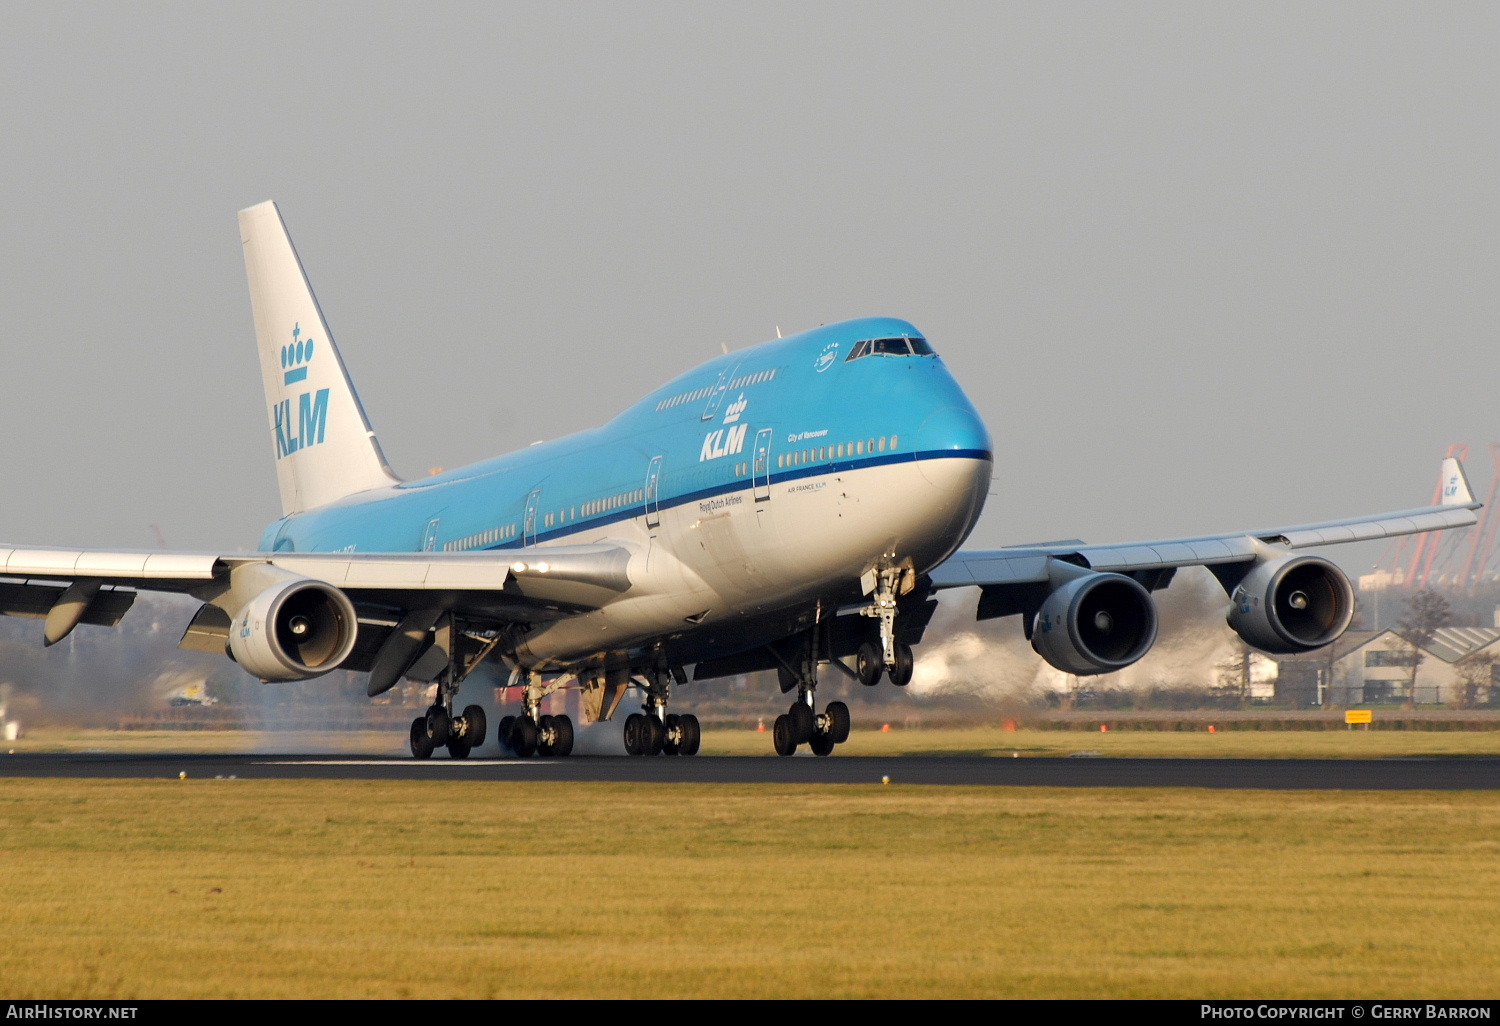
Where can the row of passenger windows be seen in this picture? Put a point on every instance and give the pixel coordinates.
(752, 379)
(890, 347)
(493, 536)
(613, 502)
(743, 381)
(843, 450)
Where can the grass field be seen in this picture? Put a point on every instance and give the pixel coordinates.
(1247, 744)
(219, 888)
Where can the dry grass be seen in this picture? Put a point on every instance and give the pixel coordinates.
(140, 889)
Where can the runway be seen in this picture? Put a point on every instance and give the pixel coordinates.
(1276, 774)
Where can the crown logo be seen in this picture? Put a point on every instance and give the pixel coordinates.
(295, 357)
(732, 413)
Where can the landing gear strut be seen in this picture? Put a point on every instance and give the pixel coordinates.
(654, 731)
(802, 723)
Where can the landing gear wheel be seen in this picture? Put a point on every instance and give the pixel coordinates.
(475, 718)
(438, 725)
(867, 665)
(905, 663)
(421, 744)
(523, 737)
(545, 732)
(691, 735)
(822, 744)
(838, 722)
(804, 723)
(635, 734)
(562, 747)
(669, 745)
(781, 736)
(458, 748)
(502, 732)
(656, 737)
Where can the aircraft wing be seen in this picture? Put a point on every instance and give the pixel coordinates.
(994, 569)
(71, 586)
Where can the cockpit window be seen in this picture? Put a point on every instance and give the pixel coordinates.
(890, 347)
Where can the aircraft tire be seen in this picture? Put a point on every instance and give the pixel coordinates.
(438, 725)
(781, 735)
(502, 732)
(905, 664)
(867, 665)
(656, 735)
(669, 746)
(523, 737)
(634, 728)
(822, 744)
(458, 748)
(421, 744)
(804, 723)
(692, 734)
(838, 722)
(563, 746)
(476, 720)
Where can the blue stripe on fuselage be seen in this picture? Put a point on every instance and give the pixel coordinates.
(776, 386)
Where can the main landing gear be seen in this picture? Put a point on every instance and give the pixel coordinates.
(802, 724)
(438, 727)
(653, 730)
(535, 733)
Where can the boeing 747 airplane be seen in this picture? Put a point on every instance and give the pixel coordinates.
(792, 507)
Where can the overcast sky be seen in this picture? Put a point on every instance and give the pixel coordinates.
(1201, 266)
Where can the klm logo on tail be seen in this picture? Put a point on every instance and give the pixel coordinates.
(312, 408)
(296, 357)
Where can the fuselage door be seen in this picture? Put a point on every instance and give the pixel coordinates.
(430, 534)
(653, 492)
(761, 471)
(528, 529)
(717, 395)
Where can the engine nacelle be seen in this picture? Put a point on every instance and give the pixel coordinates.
(1294, 604)
(293, 630)
(1095, 623)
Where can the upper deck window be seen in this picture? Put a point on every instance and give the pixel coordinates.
(890, 347)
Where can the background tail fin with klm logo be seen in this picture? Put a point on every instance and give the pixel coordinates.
(322, 440)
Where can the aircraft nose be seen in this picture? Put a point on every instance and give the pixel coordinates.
(953, 430)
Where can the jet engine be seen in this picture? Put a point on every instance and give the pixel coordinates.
(1293, 604)
(1095, 623)
(295, 629)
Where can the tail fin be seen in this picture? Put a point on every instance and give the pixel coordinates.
(325, 448)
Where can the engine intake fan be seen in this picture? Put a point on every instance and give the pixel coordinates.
(1093, 622)
(1293, 604)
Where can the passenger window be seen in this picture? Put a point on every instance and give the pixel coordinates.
(882, 443)
(895, 439)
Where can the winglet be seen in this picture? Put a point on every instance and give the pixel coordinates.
(1455, 484)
